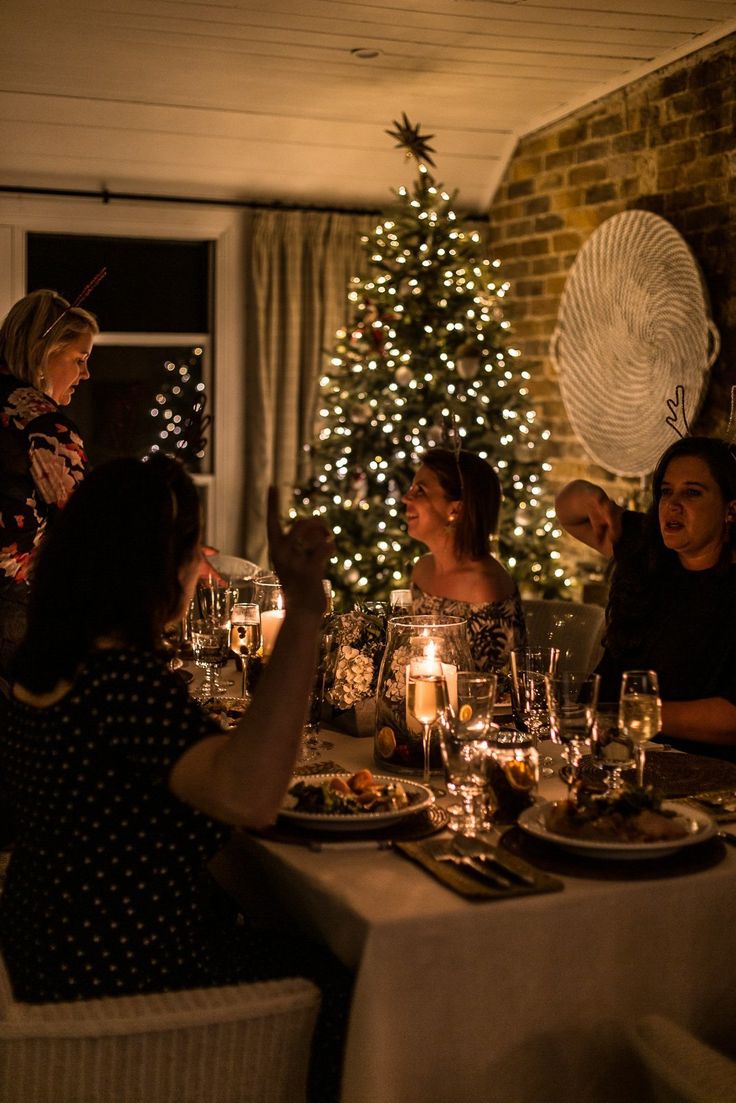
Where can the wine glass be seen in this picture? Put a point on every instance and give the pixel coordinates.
(572, 698)
(426, 700)
(210, 643)
(464, 748)
(245, 636)
(613, 749)
(640, 712)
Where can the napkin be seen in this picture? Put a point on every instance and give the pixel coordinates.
(429, 854)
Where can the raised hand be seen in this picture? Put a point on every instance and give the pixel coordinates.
(299, 556)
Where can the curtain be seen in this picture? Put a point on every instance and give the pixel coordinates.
(298, 265)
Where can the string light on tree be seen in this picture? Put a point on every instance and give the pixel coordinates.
(427, 348)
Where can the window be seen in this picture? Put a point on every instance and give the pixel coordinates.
(151, 368)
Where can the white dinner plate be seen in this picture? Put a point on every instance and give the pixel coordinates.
(700, 827)
(359, 821)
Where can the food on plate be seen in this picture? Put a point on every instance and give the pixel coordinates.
(348, 795)
(634, 815)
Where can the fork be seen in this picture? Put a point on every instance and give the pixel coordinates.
(477, 868)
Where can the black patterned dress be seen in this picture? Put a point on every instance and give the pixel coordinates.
(494, 628)
(42, 459)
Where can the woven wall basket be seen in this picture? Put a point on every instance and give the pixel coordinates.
(633, 324)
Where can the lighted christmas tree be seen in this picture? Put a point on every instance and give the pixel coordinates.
(426, 360)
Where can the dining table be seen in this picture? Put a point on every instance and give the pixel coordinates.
(519, 998)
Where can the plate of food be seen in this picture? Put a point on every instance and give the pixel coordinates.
(631, 824)
(352, 802)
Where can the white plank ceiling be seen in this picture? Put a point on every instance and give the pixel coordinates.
(266, 100)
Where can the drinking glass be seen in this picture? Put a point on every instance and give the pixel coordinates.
(426, 701)
(572, 698)
(528, 693)
(312, 744)
(464, 748)
(513, 773)
(640, 712)
(613, 749)
(245, 636)
(210, 642)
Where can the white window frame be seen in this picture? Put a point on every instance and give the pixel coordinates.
(222, 225)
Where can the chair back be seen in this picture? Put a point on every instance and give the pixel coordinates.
(576, 629)
(244, 1043)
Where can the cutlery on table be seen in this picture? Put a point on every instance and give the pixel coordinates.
(476, 868)
(490, 856)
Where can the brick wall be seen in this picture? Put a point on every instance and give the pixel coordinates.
(665, 143)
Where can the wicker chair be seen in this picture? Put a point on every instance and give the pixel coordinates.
(248, 1043)
(681, 1068)
(573, 627)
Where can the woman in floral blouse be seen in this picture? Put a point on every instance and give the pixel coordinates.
(452, 506)
(44, 348)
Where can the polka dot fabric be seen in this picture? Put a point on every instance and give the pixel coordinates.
(102, 894)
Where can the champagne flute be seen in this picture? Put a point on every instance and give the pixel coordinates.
(640, 712)
(465, 748)
(245, 636)
(426, 701)
(573, 700)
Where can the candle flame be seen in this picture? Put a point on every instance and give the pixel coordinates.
(430, 651)
(279, 600)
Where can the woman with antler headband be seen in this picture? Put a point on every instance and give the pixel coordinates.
(452, 506)
(672, 605)
(45, 344)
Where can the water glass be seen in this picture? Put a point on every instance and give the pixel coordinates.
(612, 748)
(528, 692)
(572, 698)
(210, 642)
(640, 712)
(464, 748)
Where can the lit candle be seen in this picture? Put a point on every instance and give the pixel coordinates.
(271, 621)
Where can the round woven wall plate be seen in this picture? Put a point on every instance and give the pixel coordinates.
(633, 324)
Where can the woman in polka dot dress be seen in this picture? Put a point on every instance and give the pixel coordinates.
(121, 789)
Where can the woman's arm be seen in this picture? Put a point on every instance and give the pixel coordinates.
(587, 513)
(709, 720)
(241, 778)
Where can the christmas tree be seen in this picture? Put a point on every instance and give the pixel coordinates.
(426, 361)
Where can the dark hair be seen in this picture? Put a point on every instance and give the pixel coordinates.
(643, 571)
(109, 566)
(468, 478)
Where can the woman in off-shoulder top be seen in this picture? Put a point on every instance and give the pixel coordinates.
(452, 506)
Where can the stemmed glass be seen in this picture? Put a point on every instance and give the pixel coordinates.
(640, 712)
(465, 749)
(613, 749)
(426, 700)
(245, 637)
(210, 643)
(572, 698)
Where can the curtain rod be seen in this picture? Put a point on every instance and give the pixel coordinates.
(106, 196)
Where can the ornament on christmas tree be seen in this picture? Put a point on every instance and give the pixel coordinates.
(429, 347)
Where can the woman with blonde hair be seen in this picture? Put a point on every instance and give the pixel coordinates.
(45, 344)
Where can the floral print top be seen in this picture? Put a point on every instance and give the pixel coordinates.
(42, 459)
(494, 629)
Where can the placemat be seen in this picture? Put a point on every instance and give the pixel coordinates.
(555, 859)
(675, 774)
(427, 855)
(418, 826)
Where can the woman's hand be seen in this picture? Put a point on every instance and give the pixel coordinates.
(587, 513)
(299, 557)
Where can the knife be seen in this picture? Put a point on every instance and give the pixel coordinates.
(508, 863)
(477, 868)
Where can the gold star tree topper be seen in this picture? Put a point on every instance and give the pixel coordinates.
(409, 138)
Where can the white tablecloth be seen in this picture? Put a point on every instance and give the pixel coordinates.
(524, 1000)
